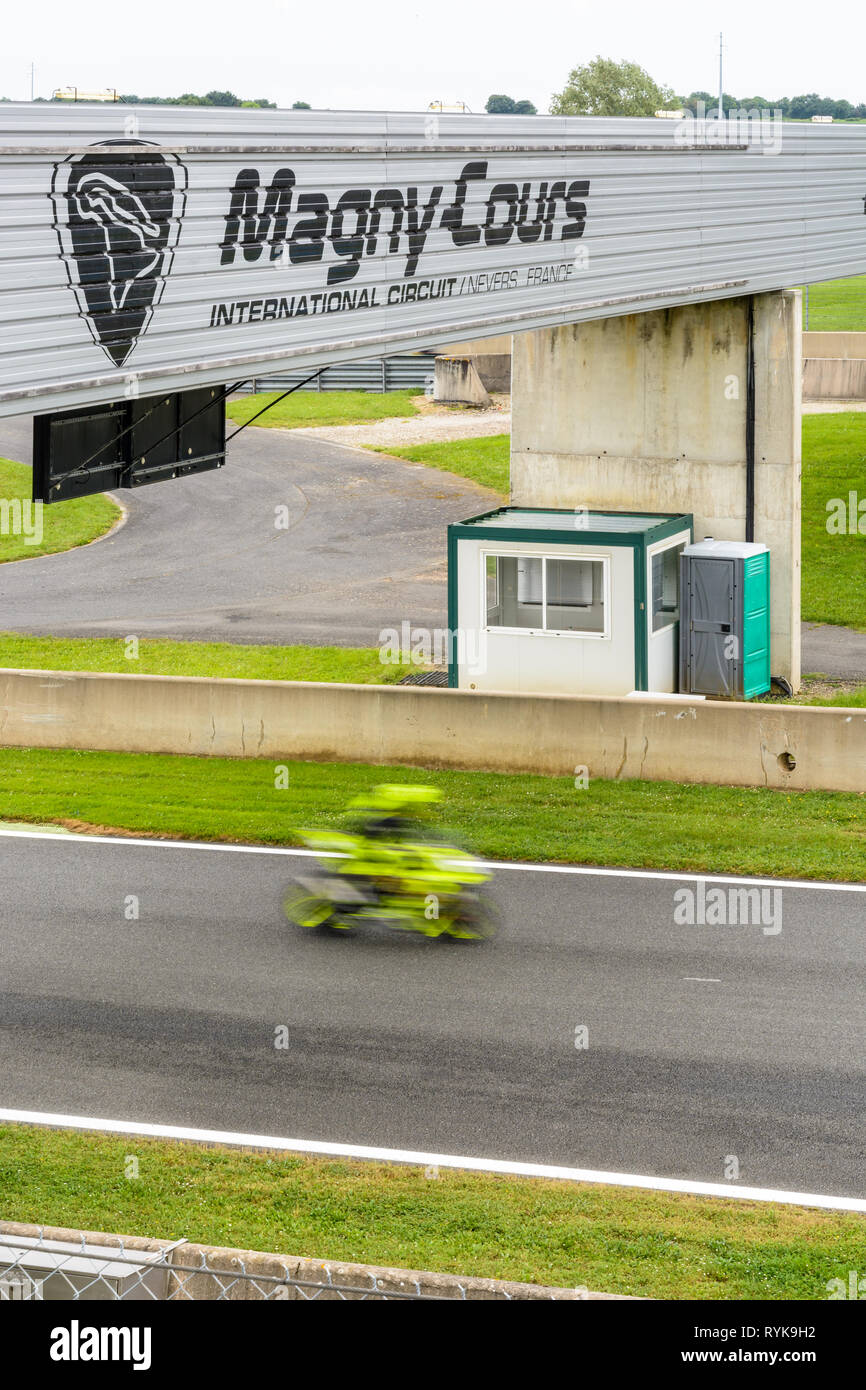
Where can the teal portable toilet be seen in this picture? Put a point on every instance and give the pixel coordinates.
(725, 619)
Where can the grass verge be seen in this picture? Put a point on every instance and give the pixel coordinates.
(827, 691)
(837, 306)
(351, 665)
(617, 1240)
(654, 825)
(324, 408)
(834, 566)
(64, 525)
(484, 460)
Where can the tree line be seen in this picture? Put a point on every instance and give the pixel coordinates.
(604, 87)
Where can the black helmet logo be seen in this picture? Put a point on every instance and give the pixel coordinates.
(117, 212)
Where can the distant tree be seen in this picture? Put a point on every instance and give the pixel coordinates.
(301, 106)
(193, 99)
(694, 100)
(501, 105)
(802, 107)
(607, 88)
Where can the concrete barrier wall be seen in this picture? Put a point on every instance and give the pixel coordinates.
(834, 379)
(653, 738)
(846, 345)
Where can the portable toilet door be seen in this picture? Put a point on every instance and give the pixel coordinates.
(725, 624)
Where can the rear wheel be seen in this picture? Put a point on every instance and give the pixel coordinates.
(308, 910)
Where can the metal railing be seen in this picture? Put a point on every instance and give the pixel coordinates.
(407, 372)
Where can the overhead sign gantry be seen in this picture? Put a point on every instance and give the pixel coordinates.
(149, 250)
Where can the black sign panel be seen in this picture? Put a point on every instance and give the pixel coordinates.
(127, 444)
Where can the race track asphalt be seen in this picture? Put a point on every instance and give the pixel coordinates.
(704, 1042)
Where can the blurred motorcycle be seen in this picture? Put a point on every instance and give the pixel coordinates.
(388, 872)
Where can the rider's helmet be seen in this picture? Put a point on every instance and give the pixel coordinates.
(392, 811)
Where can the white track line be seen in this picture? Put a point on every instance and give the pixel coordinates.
(587, 870)
(418, 1158)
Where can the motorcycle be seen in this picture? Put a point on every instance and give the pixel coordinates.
(411, 886)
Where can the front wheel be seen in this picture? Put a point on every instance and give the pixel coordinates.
(474, 921)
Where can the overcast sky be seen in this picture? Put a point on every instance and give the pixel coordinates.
(400, 55)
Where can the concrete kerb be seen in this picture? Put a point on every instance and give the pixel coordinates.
(209, 1272)
(790, 747)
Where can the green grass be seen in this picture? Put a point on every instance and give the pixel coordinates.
(837, 306)
(484, 460)
(351, 665)
(617, 1240)
(64, 524)
(850, 699)
(834, 566)
(324, 408)
(842, 699)
(655, 825)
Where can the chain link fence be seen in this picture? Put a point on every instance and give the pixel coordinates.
(82, 1267)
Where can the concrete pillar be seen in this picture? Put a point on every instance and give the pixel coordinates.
(648, 411)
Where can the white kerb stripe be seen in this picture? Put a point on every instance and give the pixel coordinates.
(589, 870)
(418, 1158)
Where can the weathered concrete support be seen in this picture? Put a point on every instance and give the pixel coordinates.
(457, 382)
(650, 410)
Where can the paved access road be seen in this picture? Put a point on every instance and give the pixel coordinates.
(704, 1042)
(201, 558)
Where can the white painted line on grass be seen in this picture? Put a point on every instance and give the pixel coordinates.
(587, 870)
(418, 1158)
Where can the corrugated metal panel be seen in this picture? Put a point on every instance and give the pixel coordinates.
(238, 243)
